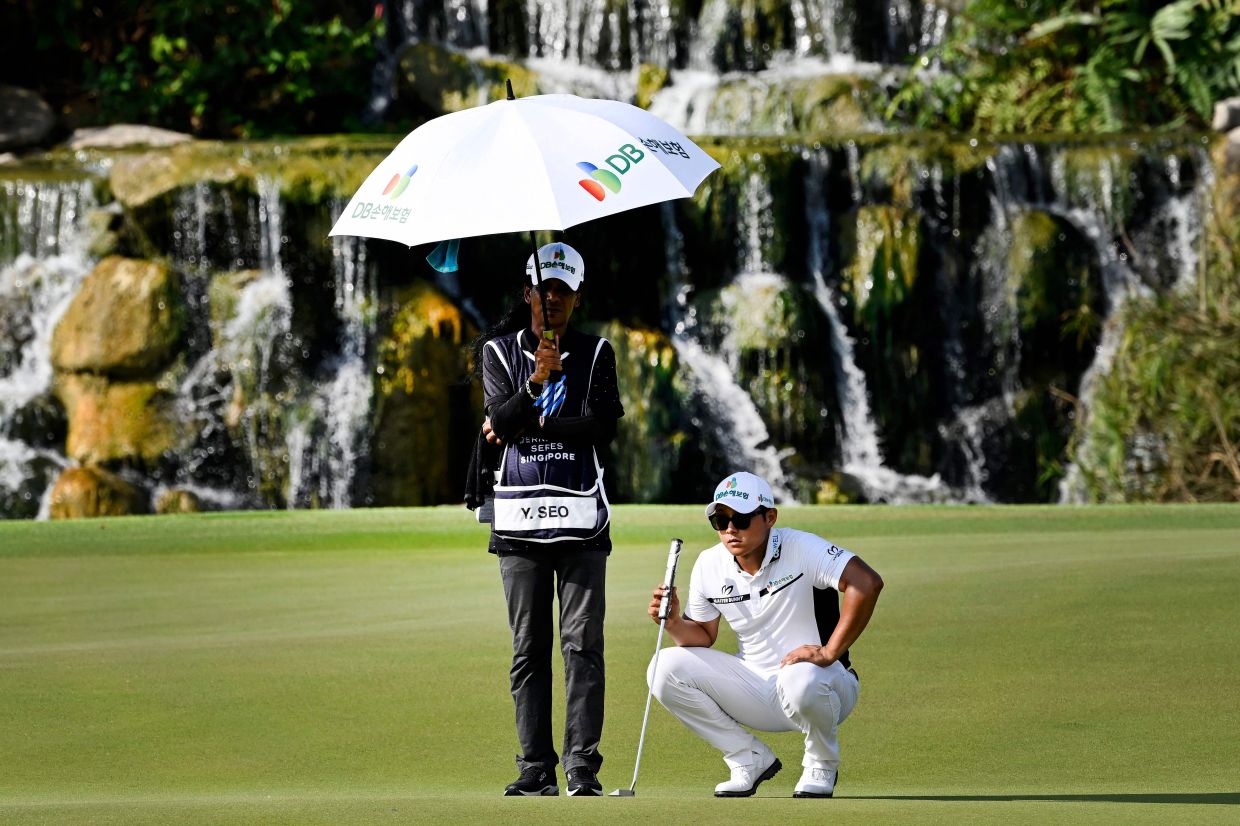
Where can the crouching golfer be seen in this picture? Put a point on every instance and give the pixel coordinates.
(777, 588)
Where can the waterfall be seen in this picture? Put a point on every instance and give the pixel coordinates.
(861, 453)
(735, 417)
(239, 384)
(1090, 202)
(327, 445)
(44, 257)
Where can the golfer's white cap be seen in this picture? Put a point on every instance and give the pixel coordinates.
(742, 492)
(561, 261)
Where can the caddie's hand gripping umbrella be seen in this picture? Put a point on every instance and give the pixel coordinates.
(545, 162)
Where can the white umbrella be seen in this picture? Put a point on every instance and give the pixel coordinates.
(546, 162)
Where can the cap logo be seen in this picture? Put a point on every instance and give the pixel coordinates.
(558, 265)
(732, 483)
(399, 183)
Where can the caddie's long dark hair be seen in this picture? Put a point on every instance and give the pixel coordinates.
(517, 317)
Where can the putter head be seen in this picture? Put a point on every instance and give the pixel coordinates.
(623, 793)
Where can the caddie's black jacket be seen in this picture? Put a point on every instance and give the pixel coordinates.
(582, 423)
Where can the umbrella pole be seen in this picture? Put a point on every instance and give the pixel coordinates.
(548, 333)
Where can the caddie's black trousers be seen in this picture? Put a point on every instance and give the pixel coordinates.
(532, 581)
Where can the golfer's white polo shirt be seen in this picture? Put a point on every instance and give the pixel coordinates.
(771, 611)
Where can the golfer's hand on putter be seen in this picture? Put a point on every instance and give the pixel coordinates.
(546, 360)
(673, 605)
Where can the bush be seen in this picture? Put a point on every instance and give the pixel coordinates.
(1077, 66)
(231, 68)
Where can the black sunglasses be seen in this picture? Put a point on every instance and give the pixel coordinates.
(741, 520)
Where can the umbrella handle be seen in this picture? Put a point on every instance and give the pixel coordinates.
(548, 333)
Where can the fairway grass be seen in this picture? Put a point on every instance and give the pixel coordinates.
(1025, 664)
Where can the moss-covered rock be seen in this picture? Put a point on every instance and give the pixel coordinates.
(178, 500)
(1058, 298)
(651, 436)
(882, 249)
(651, 79)
(435, 79)
(825, 106)
(775, 337)
(125, 320)
(743, 213)
(85, 492)
(425, 415)
(121, 422)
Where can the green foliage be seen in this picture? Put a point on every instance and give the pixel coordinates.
(1165, 421)
(232, 69)
(1077, 66)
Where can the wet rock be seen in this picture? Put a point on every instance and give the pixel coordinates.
(118, 421)
(422, 407)
(651, 439)
(25, 118)
(1226, 115)
(178, 500)
(651, 79)
(85, 492)
(124, 321)
(124, 135)
(435, 80)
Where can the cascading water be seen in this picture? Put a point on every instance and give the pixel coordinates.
(327, 445)
(861, 453)
(734, 417)
(44, 258)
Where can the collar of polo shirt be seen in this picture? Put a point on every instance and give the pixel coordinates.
(773, 543)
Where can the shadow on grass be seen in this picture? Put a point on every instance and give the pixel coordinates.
(1216, 798)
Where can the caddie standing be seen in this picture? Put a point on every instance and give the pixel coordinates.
(797, 603)
(552, 405)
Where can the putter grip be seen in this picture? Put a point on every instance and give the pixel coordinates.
(669, 576)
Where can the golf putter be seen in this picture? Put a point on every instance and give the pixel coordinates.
(669, 579)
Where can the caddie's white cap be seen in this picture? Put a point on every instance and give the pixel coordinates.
(742, 492)
(561, 261)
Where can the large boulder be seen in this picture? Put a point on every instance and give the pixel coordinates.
(118, 422)
(84, 492)
(651, 439)
(25, 118)
(435, 80)
(125, 320)
(425, 416)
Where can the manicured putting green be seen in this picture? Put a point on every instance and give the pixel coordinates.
(1025, 664)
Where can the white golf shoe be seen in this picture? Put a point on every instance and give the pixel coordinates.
(816, 782)
(745, 779)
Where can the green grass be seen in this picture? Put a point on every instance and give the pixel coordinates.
(1025, 664)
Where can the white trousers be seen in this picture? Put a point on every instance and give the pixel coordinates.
(715, 693)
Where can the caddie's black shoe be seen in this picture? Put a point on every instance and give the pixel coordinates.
(533, 782)
(583, 783)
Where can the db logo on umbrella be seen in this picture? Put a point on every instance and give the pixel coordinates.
(399, 182)
(624, 160)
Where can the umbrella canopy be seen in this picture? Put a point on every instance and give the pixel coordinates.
(546, 162)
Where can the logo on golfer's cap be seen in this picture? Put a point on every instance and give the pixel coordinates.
(399, 183)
